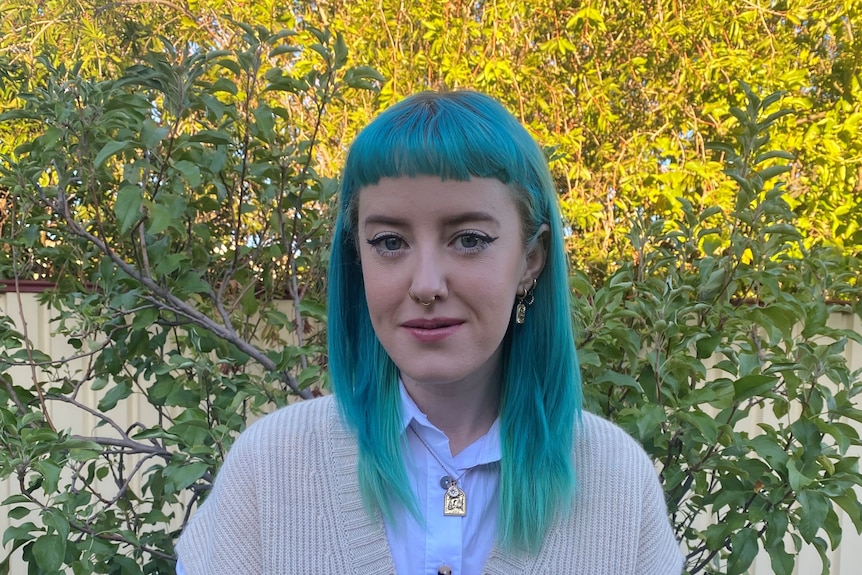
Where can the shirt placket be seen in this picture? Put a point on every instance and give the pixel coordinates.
(443, 543)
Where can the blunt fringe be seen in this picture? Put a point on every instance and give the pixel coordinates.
(460, 135)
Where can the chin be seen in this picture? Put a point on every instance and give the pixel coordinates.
(431, 375)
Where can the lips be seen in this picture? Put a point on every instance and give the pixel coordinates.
(433, 323)
(432, 330)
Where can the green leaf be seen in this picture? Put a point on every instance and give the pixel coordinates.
(284, 49)
(650, 419)
(231, 65)
(722, 147)
(744, 547)
(705, 424)
(851, 506)
(617, 379)
(109, 150)
(767, 447)
(224, 85)
(54, 518)
(249, 302)
(114, 396)
(180, 476)
(211, 137)
(19, 115)
(23, 532)
(19, 512)
(740, 116)
(155, 433)
(152, 134)
(190, 171)
(772, 154)
(49, 551)
(706, 345)
(160, 218)
(128, 207)
(813, 508)
(797, 480)
(340, 50)
(716, 535)
(313, 309)
(265, 120)
(191, 282)
(772, 171)
(781, 561)
(50, 471)
(753, 385)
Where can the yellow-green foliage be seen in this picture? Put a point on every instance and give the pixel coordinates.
(624, 92)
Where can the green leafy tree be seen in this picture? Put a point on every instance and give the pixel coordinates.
(171, 170)
(625, 93)
(178, 206)
(723, 315)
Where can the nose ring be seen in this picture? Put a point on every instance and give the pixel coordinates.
(418, 300)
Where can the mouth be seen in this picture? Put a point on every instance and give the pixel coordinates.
(432, 330)
(431, 324)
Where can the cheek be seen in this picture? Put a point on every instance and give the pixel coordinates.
(379, 291)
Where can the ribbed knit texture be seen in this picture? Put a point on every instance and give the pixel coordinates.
(286, 501)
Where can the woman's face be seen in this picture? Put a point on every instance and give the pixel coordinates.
(457, 245)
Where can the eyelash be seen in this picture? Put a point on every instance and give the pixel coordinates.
(377, 243)
(484, 241)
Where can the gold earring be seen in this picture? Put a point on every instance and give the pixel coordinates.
(525, 299)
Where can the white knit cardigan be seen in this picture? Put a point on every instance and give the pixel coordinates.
(287, 502)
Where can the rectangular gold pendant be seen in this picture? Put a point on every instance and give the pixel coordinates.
(520, 313)
(455, 501)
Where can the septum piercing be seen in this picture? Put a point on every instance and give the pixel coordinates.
(418, 300)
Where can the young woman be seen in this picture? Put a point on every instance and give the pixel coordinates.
(454, 442)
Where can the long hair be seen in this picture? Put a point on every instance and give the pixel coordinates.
(461, 135)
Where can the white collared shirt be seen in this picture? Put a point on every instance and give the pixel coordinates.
(461, 543)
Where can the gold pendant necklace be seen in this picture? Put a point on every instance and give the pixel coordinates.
(455, 501)
(454, 498)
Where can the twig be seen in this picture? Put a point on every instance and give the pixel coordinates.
(28, 346)
(182, 307)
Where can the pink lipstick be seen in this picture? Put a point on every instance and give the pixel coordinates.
(432, 330)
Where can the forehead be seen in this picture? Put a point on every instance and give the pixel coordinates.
(431, 199)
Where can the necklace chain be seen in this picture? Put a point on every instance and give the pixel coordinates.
(454, 499)
(434, 455)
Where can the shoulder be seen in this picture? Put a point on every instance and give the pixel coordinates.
(617, 521)
(300, 424)
(593, 429)
(319, 411)
(602, 448)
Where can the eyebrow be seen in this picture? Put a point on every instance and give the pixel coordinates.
(456, 220)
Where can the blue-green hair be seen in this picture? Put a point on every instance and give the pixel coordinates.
(461, 135)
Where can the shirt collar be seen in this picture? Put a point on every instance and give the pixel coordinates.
(484, 450)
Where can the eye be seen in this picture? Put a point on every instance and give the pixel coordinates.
(391, 243)
(387, 244)
(472, 242)
(469, 242)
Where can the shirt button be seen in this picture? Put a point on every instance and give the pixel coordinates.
(444, 570)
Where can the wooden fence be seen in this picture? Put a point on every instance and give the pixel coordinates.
(24, 307)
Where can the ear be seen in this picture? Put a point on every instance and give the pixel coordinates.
(537, 254)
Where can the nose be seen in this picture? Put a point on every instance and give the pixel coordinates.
(429, 283)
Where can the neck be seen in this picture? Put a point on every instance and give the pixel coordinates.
(464, 410)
